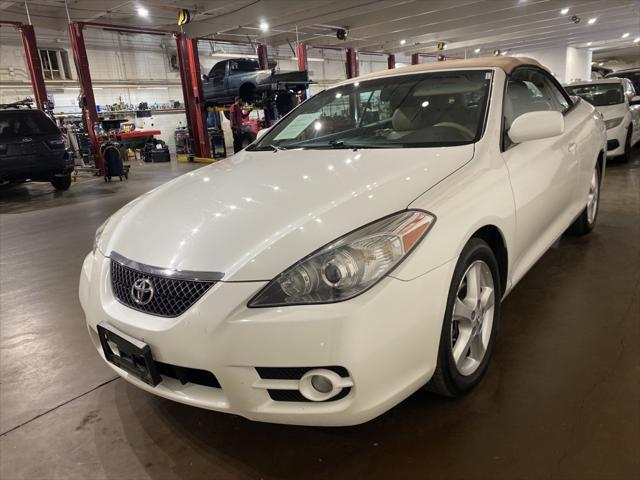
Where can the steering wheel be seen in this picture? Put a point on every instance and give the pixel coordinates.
(456, 126)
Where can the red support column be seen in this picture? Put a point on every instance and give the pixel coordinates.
(89, 111)
(353, 68)
(301, 56)
(263, 57)
(391, 61)
(35, 66)
(183, 67)
(303, 64)
(194, 107)
(194, 90)
(263, 60)
(415, 58)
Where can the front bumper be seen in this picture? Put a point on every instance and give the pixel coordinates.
(387, 340)
(616, 138)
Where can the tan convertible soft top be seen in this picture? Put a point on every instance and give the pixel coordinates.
(505, 63)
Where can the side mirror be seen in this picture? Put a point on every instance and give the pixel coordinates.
(635, 100)
(205, 77)
(536, 125)
(261, 133)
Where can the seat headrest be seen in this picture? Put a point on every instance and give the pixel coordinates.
(405, 118)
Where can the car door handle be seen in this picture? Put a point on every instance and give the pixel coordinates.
(572, 147)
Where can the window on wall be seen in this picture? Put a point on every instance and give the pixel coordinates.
(55, 64)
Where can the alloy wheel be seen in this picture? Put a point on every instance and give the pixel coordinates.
(593, 198)
(472, 321)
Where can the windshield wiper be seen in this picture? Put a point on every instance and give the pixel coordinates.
(356, 146)
(271, 146)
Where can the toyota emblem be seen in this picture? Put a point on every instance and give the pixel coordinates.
(142, 291)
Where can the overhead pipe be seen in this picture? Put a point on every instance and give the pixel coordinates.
(129, 28)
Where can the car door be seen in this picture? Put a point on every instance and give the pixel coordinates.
(543, 172)
(218, 80)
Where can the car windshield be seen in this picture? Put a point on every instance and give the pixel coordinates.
(25, 123)
(420, 110)
(599, 94)
(633, 75)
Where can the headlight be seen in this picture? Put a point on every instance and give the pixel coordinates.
(96, 239)
(612, 122)
(349, 265)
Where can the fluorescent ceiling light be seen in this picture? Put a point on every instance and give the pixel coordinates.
(637, 40)
(402, 42)
(564, 11)
(592, 20)
(589, 44)
(477, 50)
(505, 52)
(625, 35)
(264, 26)
(143, 12)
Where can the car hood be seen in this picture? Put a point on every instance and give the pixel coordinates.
(612, 111)
(255, 214)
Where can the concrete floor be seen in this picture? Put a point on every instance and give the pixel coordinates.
(561, 398)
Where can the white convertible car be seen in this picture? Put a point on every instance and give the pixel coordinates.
(356, 252)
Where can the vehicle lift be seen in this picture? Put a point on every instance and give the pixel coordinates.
(189, 66)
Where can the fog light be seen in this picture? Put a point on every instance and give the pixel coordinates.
(321, 383)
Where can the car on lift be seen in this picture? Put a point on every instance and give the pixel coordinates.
(356, 252)
(617, 101)
(32, 148)
(243, 77)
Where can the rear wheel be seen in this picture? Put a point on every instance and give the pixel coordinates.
(471, 322)
(62, 182)
(587, 219)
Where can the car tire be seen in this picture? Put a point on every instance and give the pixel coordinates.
(626, 156)
(62, 183)
(586, 222)
(470, 318)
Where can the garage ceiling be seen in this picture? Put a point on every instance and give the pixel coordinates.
(373, 25)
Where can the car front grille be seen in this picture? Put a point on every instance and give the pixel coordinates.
(170, 297)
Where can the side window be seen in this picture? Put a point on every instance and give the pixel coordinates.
(552, 94)
(628, 89)
(217, 72)
(530, 90)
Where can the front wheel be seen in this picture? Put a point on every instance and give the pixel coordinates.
(61, 183)
(470, 323)
(587, 219)
(626, 156)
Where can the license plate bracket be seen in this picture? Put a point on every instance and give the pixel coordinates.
(131, 355)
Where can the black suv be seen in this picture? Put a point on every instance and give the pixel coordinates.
(32, 148)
